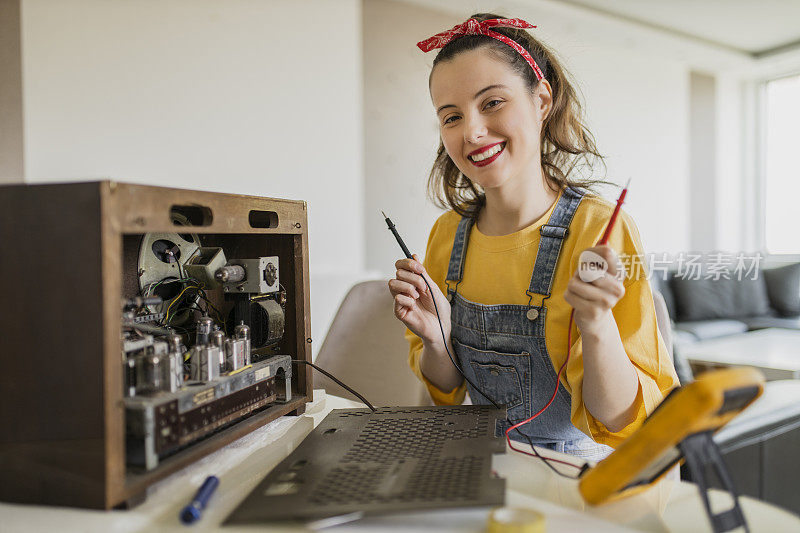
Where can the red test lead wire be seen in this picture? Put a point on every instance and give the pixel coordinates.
(603, 241)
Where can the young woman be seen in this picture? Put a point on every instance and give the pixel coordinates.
(502, 261)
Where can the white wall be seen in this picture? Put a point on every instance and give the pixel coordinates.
(702, 159)
(241, 96)
(401, 133)
(635, 82)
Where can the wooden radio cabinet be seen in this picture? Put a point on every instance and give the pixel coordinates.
(68, 258)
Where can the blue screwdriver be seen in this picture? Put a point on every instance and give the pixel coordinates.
(191, 513)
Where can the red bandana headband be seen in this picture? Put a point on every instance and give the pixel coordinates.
(473, 27)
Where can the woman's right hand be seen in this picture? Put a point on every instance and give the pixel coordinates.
(413, 302)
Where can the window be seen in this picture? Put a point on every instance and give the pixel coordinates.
(781, 171)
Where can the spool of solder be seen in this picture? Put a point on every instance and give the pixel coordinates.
(515, 520)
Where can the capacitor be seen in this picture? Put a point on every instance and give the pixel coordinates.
(150, 372)
(204, 361)
(230, 274)
(216, 363)
(235, 354)
(204, 327)
(174, 372)
(161, 349)
(242, 331)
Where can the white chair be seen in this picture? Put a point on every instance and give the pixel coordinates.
(662, 319)
(365, 348)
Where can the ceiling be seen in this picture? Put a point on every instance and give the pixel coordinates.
(756, 28)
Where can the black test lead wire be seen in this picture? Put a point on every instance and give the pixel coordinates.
(392, 228)
(546, 460)
(338, 382)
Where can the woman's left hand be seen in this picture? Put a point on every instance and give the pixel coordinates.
(594, 300)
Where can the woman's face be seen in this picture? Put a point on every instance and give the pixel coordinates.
(489, 120)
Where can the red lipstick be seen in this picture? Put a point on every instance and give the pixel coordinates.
(487, 160)
(483, 148)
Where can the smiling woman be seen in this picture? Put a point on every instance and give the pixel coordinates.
(567, 146)
(513, 167)
(490, 130)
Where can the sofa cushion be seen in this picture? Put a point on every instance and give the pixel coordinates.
(762, 322)
(710, 329)
(705, 299)
(681, 337)
(783, 288)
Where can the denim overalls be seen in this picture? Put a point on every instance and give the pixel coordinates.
(501, 348)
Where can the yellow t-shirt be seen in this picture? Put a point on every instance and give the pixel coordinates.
(498, 269)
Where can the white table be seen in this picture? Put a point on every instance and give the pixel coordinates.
(774, 351)
(669, 506)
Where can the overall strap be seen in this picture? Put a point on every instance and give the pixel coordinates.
(455, 270)
(553, 234)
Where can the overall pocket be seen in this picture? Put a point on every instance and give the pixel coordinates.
(504, 377)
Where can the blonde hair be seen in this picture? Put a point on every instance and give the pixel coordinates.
(568, 147)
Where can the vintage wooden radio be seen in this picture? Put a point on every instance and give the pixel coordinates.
(144, 328)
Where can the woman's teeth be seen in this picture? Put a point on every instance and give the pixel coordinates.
(488, 153)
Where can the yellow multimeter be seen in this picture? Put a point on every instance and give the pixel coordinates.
(699, 408)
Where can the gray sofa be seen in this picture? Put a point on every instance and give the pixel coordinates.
(707, 308)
